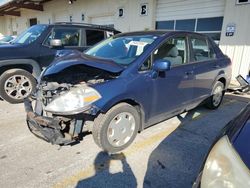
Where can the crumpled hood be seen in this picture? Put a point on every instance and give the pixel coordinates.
(74, 57)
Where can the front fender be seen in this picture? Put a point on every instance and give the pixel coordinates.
(116, 91)
(118, 99)
(36, 68)
(129, 100)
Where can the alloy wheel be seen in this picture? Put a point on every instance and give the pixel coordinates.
(18, 87)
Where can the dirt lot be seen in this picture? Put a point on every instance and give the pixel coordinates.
(169, 153)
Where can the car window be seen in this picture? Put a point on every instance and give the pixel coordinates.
(201, 49)
(30, 35)
(109, 33)
(146, 65)
(173, 50)
(122, 50)
(68, 36)
(93, 37)
(212, 53)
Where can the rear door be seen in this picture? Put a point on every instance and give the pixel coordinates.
(71, 37)
(206, 67)
(93, 36)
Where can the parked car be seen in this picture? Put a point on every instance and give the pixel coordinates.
(125, 84)
(228, 162)
(1, 36)
(22, 62)
(7, 39)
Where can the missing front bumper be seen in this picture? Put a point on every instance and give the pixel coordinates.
(46, 128)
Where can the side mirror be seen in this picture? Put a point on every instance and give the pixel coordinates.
(56, 43)
(162, 65)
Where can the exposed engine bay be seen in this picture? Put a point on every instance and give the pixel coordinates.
(63, 128)
(74, 76)
(80, 73)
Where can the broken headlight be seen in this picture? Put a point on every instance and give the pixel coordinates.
(75, 101)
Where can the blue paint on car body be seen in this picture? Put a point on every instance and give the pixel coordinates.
(179, 89)
(160, 73)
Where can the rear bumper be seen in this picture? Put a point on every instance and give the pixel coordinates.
(46, 128)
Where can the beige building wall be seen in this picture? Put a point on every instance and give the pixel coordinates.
(8, 25)
(2, 25)
(97, 12)
(237, 47)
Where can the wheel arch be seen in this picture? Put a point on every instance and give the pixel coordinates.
(133, 103)
(27, 64)
(223, 80)
(221, 77)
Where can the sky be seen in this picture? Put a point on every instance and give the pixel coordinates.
(2, 2)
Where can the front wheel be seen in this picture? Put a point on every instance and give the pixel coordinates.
(116, 129)
(16, 85)
(215, 100)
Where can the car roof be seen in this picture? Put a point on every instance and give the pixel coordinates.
(158, 33)
(92, 26)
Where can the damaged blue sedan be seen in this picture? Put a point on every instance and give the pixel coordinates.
(124, 84)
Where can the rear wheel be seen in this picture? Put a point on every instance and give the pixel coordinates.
(116, 130)
(215, 100)
(16, 85)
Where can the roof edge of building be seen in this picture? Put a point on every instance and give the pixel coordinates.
(5, 2)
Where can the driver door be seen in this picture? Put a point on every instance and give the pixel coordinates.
(173, 89)
(71, 38)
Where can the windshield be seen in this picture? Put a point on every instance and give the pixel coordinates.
(122, 50)
(30, 35)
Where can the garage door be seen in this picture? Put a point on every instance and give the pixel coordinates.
(191, 15)
(172, 9)
(103, 20)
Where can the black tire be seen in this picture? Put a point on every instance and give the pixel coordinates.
(30, 83)
(210, 103)
(101, 125)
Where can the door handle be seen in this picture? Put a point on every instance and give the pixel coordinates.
(216, 66)
(189, 73)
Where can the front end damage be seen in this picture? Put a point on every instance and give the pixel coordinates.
(47, 128)
(59, 130)
(64, 127)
